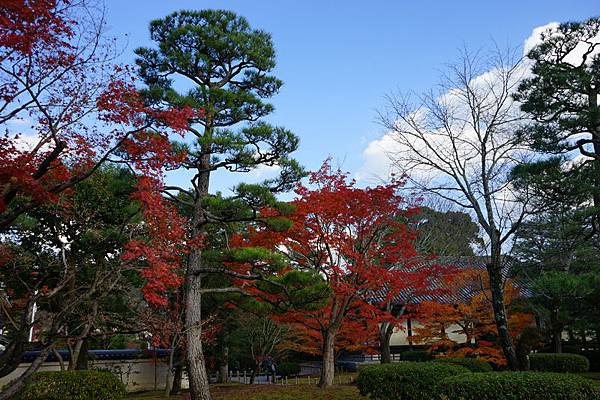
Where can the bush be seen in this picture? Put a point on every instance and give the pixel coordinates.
(416, 355)
(519, 386)
(472, 364)
(405, 380)
(72, 385)
(558, 362)
(593, 357)
(288, 369)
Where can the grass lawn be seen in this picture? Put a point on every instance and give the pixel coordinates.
(266, 392)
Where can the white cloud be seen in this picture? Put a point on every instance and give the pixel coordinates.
(264, 172)
(377, 161)
(376, 155)
(536, 36)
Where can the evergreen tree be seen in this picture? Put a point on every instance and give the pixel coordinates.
(225, 66)
(562, 98)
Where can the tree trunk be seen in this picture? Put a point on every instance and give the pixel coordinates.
(386, 330)
(198, 377)
(224, 366)
(199, 389)
(59, 358)
(556, 341)
(556, 327)
(10, 389)
(494, 269)
(328, 367)
(178, 374)
(83, 358)
(409, 332)
(584, 343)
(11, 357)
(73, 359)
(594, 115)
(255, 372)
(168, 381)
(169, 372)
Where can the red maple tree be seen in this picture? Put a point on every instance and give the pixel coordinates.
(352, 238)
(65, 106)
(65, 109)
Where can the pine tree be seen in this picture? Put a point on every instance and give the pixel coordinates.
(226, 66)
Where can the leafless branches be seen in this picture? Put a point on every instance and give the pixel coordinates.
(458, 141)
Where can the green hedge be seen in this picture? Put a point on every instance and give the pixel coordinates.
(518, 386)
(72, 385)
(416, 355)
(472, 364)
(593, 357)
(558, 362)
(288, 369)
(405, 380)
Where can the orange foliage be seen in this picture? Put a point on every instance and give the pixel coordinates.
(473, 319)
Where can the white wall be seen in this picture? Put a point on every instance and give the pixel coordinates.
(135, 374)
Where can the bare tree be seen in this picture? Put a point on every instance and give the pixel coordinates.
(457, 142)
(262, 336)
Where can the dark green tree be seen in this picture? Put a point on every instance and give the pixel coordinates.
(214, 62)
(445, 233)
(560, 263)
(562, 94)
(558, 248)
(65, 264)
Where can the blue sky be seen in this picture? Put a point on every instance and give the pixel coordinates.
(339, 58)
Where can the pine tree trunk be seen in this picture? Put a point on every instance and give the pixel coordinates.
(198, 377)
(199, 388)
(328, 367)
(497, 288)
(593, 107)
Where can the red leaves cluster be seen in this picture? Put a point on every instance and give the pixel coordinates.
(164, 247)
(355, 239)
(27, 24)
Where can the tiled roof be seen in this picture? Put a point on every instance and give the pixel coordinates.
(437, 290)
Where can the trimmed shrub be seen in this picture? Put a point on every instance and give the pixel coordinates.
(558, 362)
(72, 385)
(405, 380)
(288, 369)
(416, 355)
(472, 364)
(593, 357)
(519, 386)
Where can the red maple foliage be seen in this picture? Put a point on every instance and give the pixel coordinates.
(65, 107)
(354, 239)
(28, 24)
